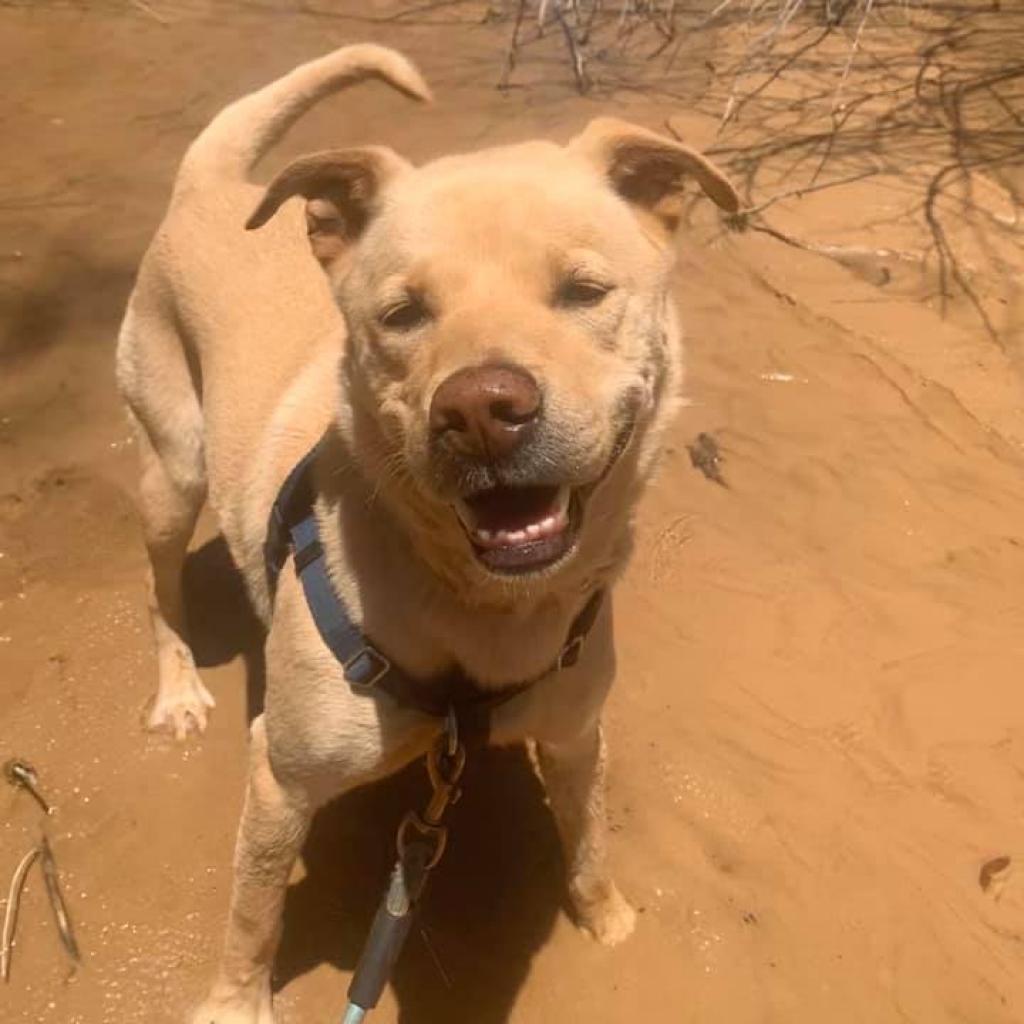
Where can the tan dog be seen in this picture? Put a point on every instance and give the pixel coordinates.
(504, 365)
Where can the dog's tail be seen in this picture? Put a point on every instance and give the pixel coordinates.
(235, 140)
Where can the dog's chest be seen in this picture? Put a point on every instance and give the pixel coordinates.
(493, 649)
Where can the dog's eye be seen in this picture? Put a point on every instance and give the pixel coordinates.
(404, 315)
(578, 292)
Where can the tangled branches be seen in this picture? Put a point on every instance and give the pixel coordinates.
(820, 92)
(937, 103)
(592, 30)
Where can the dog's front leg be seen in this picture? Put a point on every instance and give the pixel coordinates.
(274, 824)
(574, 775)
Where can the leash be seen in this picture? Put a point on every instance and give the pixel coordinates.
(421, 842)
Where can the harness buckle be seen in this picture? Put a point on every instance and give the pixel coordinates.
(366, 668)
(570, 653)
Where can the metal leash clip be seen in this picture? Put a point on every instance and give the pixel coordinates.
(421, 842)
(445, 771)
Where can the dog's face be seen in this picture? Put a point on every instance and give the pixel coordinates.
(512, 347)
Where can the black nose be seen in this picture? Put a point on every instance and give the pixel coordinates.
(486, 411)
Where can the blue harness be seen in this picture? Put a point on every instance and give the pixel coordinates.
(293, 531)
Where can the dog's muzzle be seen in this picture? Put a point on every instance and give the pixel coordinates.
(514, 483)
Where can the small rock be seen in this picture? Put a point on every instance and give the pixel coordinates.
(706, 456)
(993, 874)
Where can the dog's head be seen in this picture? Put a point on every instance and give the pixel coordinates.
(512, 346)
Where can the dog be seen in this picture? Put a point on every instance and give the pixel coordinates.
(490, 354)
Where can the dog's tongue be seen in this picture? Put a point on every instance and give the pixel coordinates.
(512, 508)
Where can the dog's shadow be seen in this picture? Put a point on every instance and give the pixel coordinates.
(491, 903)
(221, 622)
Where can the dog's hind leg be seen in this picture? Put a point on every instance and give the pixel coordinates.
(574, 776)
(156, 380)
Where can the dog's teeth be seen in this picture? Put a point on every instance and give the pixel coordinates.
(556, 520)
(564, 494)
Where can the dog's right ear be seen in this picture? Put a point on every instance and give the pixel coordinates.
(342, 188)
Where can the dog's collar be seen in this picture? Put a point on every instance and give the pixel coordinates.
(293, 531)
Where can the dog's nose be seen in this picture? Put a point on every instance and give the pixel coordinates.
(486, 411)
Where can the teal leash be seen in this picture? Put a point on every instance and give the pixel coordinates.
(421, 842)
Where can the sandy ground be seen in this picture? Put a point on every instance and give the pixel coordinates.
(817, 731)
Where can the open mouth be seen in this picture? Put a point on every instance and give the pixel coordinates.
(520, 529)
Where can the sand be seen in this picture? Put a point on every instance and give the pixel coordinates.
(817, 730)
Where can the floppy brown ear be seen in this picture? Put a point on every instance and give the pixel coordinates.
(648, 170)
(343, 189)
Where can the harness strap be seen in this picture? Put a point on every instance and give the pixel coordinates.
(293, 530)
(293, 503)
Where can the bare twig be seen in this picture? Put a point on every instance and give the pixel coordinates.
(949, 265)
(60, 910)
(579, 66)
(865, 261)
(141, 5)
(512, 54)
(23, 775)
(854, 47)
(11, 913)
(799, 193)
(734, 106)
(445, 976)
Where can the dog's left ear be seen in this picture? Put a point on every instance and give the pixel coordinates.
(342, 188)
(648, 170)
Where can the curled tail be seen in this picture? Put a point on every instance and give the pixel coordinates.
(235, 140)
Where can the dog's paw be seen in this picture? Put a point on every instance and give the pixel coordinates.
(211, 1013)
(604, 914)
(234, 1010)
(181, 707)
